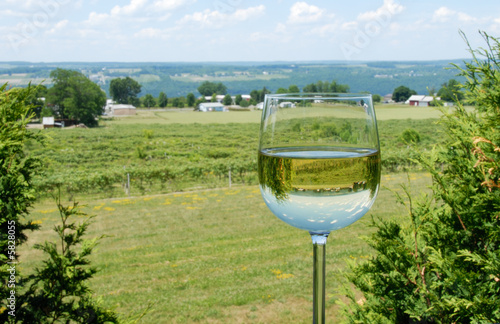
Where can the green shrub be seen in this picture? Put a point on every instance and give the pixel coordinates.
(443, 265)
(410, 136)
(58, 292)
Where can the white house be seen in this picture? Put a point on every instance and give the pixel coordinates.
(420, 100)
(211, 106)
(218, 98)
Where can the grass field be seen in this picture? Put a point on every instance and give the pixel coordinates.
(218, 255)
(188, 116)
(213, 256)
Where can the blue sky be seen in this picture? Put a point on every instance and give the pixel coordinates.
(241, 30)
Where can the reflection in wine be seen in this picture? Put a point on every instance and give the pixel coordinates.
(319, 189)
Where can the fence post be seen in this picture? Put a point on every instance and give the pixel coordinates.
(128, 184)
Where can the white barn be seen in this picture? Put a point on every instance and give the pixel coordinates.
(211, 106)
(420, 100)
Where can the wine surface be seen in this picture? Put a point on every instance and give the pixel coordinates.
(319, 189)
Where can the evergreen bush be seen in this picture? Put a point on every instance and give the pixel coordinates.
(443, 265)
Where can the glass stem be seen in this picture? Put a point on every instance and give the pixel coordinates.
(319, 248)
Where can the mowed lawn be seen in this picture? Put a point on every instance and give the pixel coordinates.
(213, 256)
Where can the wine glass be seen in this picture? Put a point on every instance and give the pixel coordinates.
(319, 167)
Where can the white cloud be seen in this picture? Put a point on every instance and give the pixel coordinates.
(350, 25)
(444, 14)
(129, 9)
(167, 5)
(463, 17)
(216, 19)
(301, 12)
(385, 12)
(152, 33)
(280, 28)
(12, 13)
(58, 26)
(325, 30)
(245, 14)
(97, 18)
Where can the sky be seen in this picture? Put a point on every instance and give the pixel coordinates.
(242, 30)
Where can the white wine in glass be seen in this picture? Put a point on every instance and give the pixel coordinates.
(319, 167)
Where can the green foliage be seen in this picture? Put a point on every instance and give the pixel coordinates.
(443, 264)
(177, 102)
(17, 170)
(58, 292)
(227, 100)
(238, 99)
(326, 87)
(244, 103)
(208, 88)
(148, 101)
(125, 90)
(162, 100)
(402, 94)
(258, 95)
(410, 136)
(74, 96)
(190, 99)
(451, 91)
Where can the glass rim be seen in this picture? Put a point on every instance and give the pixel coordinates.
(319, 95)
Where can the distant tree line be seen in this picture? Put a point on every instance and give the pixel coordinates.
(74, 96)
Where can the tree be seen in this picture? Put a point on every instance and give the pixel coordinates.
(64, 295)
(59, 291)
(451, 91)
(338, 88)
(293, 89)
(442, 265)
(36, 99)
(238, 99)
(208, 88)
(74, 96)
(125, 90)
(17, 170)
(190, 99)
(149, 101)
(178, 102)
(255, 96)
(402, 94)
(377, 98)
(162, 100)
(281, 90)
(326, 87)
(227, 100)
(244, 103)
(310, 88)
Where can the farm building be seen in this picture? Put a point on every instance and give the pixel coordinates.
(287, 104)
(122, 110)
(51, 122)
(420, 100)
(211, 106)
(219, 98)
